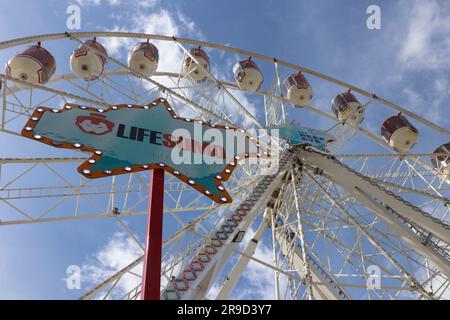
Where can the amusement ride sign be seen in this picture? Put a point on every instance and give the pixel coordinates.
(131, 138)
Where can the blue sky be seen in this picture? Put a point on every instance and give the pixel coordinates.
(407, 61)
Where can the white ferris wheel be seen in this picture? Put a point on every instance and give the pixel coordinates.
(364, 225)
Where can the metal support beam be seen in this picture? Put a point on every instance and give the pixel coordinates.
(151, 276)
(232, 279)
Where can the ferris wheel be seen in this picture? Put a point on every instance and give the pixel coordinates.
(372, 224)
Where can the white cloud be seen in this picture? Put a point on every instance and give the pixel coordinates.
(114, 45)
(139, 3)
(426, 44)
(188, 23)
(167, 23)
(162, 22)
(120, 251)
(213, 291)
(432, 102)
(89, 2)
(147, 3)
(114, 2)
(441, 90)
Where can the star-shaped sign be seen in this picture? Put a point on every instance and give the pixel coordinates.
(130, 138)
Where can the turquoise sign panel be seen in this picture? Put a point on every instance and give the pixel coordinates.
(297, 135)
(130, 138)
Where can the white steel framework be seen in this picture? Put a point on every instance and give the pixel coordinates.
(327, 217)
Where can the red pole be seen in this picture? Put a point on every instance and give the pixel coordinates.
(151, 276)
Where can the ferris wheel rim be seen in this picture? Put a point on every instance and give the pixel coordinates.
(323, 76)
(70, 76)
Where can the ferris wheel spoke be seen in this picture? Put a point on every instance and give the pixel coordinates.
(110, 84)
(320, 272)
(301, 233)
(319, 283)
(374, 242)
(86, 91)
(55, 91)
(438, 228)
(355, 262)
(412, 236)
(397, 180)
(206, 95)
(279, 92)
(401, 173)
(13, 94)
(297, 288)
(395, 251)
(437, 284)
(82, 190)
(408, 190)
(114, 278)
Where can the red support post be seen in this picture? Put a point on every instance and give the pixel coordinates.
(151, 276)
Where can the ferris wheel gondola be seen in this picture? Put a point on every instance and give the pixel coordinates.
(144, 57)
(88, 60)
(34, 64)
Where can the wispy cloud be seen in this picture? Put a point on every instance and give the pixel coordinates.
(118, 252)
(141, 3)
(161, 22)
(426, 44)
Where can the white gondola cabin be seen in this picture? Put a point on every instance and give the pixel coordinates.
(192, 70)
(144, 58)
(35, 65)
(441, 161)
(348, 109)
(298, 90)
(399, 133)
(89, 60)
(247, 75)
